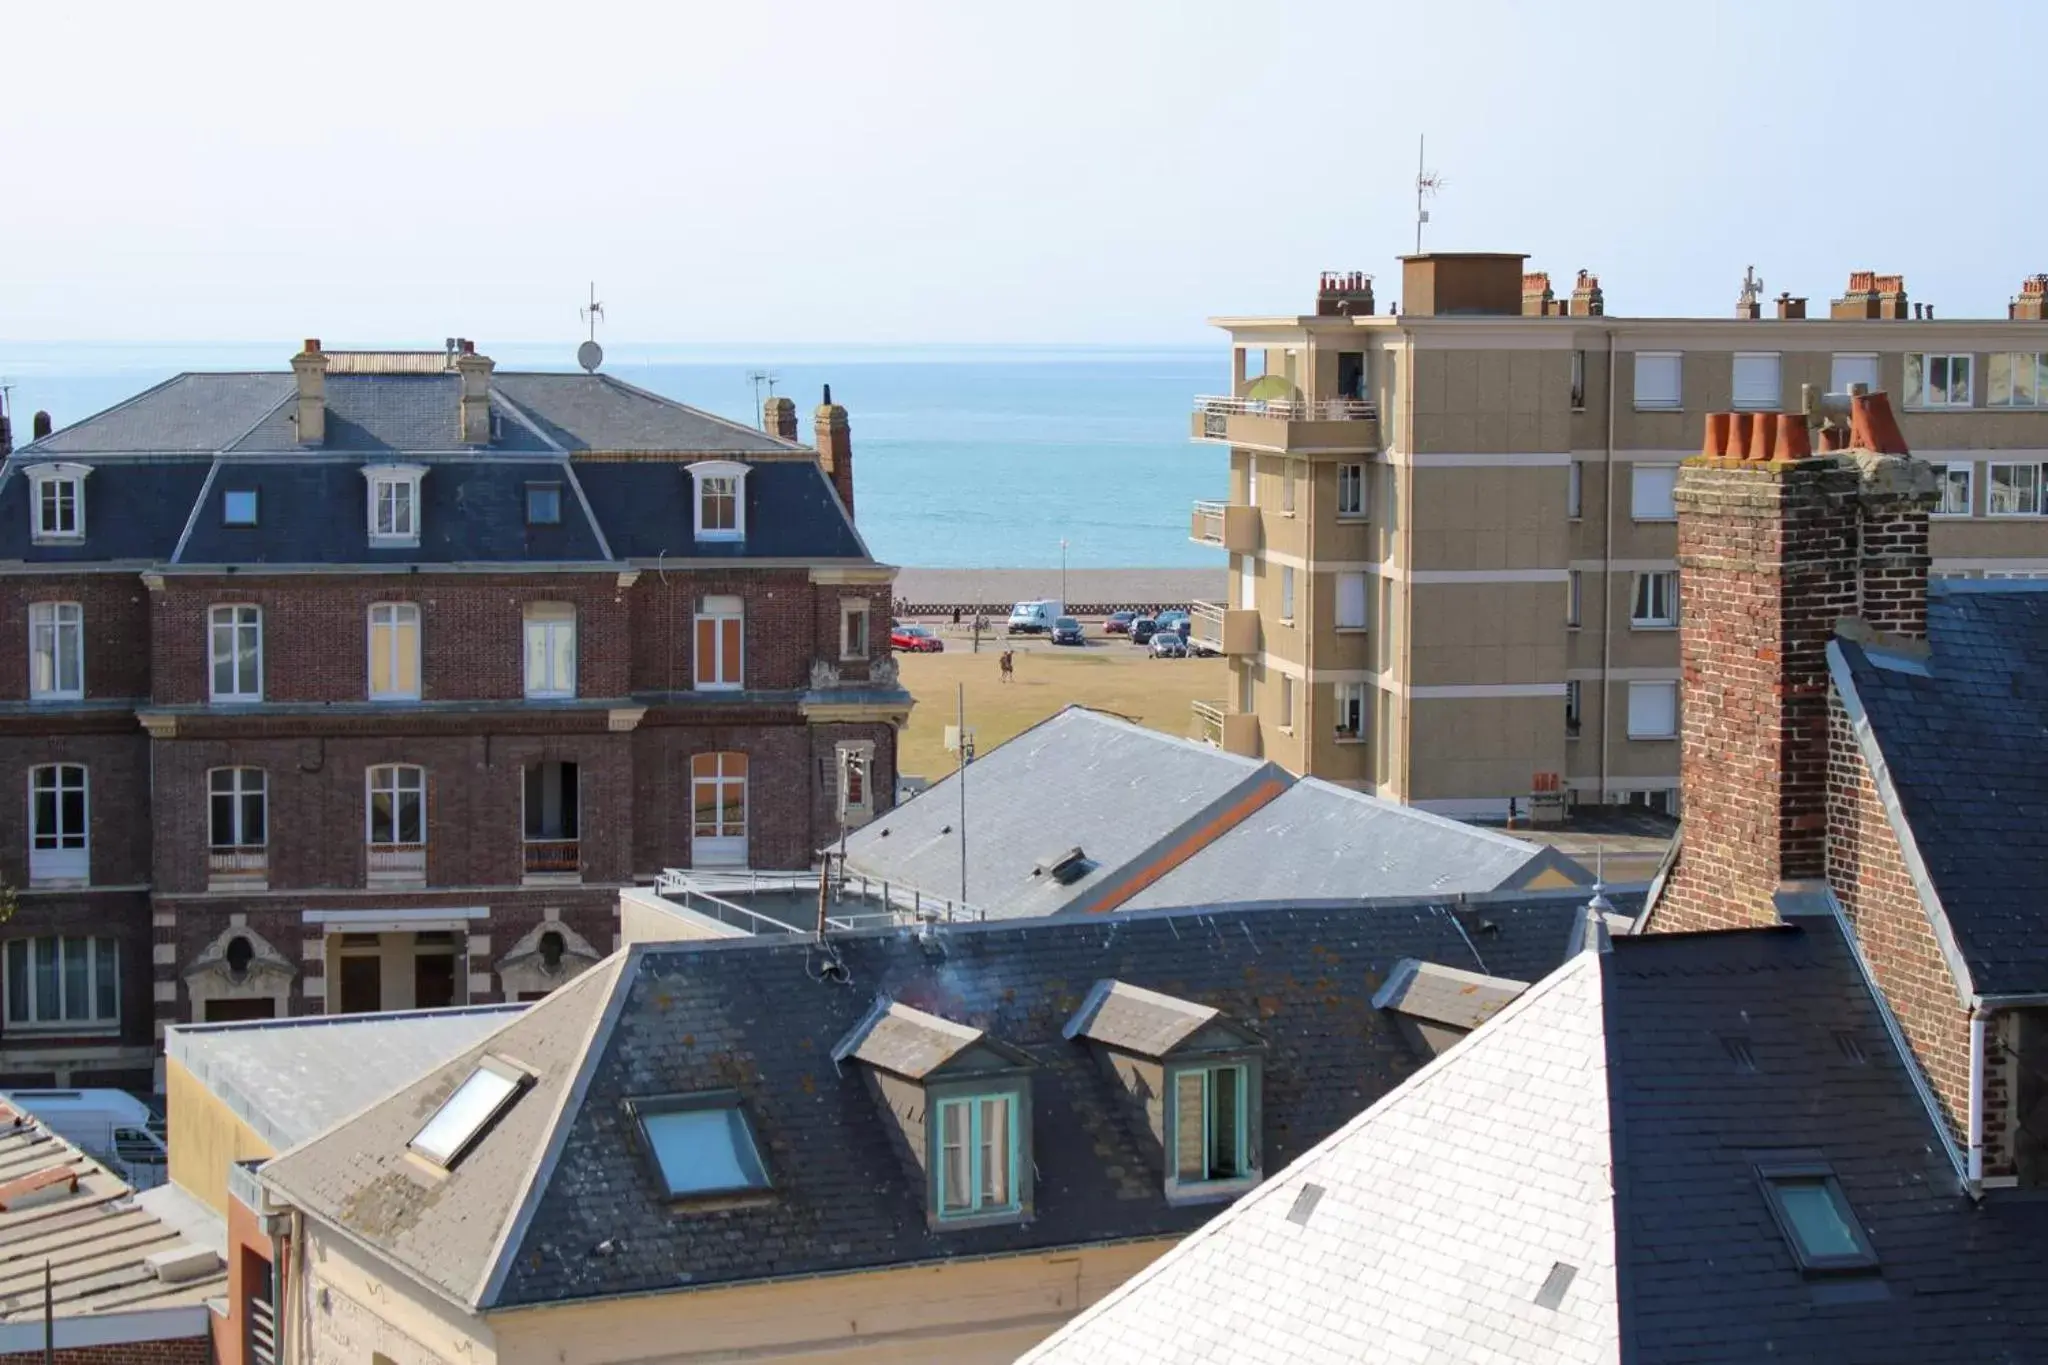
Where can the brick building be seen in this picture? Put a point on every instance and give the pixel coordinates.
(366, 685)
(1858, 737)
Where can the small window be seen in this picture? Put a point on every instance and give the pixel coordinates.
(1856, 367)
(856, 786)
(238, 507)
(2016, 380)
(58, 825)
(1656, 599)
(1351, 601)
(1815, 1217)
(1350, 712)
(394, 651)
(721, 499)
(1575, 490)
(1287, 487)
(720, 643)
(1286, 592)
(1955, 490)
(394, 504)
(1286, 701)
(2015, 491)
(1574, 588)
(1756, 382)
(1251, 479)
(543, 504)
(853, 630)
(1650, 492)
(56, 651)
(1578, 396)
(1657, 379)
(463, 1116)
(63, 983)
(1571, 709)
(1937, 381)
(977, 1151)
(57, 505)
(397, 812)
(1653, 710)
(236, 815)
(1351, 490)
(550, 649)
(701, 1145)
(1211, 1117)
(236, 645)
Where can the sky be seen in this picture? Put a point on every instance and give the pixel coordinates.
(855, 171)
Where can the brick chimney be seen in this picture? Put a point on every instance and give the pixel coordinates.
(835, 448)
(1891, 298)
(40, 425)
(309, 367)
(1789, 307)
(1872, 296)
(473, 407)
(2031, 304)
(1779, 546)
(1537, 299)
(1344, 293)
(1587, 300)
(778, 418)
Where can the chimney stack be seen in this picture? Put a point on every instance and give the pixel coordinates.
(309, 367)
(1780, 547)
(1872, 297)
(2032, 303)
(1891, 298)
(835, 448)
(40, 425)
(1789, 307)
(1587, 300)
(1537, 299)
(778, 418)
(1344, 293)
(473, 407)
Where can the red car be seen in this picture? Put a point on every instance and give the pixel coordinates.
(915, 640)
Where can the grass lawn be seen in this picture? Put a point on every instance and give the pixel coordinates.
(1109, 676)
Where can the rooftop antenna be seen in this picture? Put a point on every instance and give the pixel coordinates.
(1752, 288)
(590, 355)
(757, 378)
(1427, 183)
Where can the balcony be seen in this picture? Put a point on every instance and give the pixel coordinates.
(1217, 629)
(553, 860)
(1227, 730)
(398, 863)
(1230, 525)
(238, 867)
(1304, 424)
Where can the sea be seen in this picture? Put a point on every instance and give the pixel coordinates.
(964, 456)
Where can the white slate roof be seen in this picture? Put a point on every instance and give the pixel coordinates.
(1433, 1234)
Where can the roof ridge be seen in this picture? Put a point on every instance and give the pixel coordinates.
(127, 402)
(681, 406)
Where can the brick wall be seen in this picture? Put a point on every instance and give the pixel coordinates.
(115, 753)
(175, 1351)
(114, 618)
(781, 634)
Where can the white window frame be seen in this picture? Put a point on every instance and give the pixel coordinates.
(1364, 600)
(715, 843)
(1287, 703)
(400, 530)
(704, 474)
(56, 621)
(2032, 484)
(1865, 367)
(66, 482)
(1574, 708)
(1644, 689)
(852, 609)
(1667, 510)
(228, 621)
(1574, 597)
(395, 617)
(1749, 391)
(547, 626)
(27, 1017)
(719, 609)
(855, 766)
(1287, 594)
(1251, 478)
(63, 854)
(1653, 600)
(1656, 400)
(396, 780)
(1923, 398)
(1351, 478)
(1948, 471)
(2009, 362)
(1287, 488)
(1575, 490)
(1345, 695)
(241, 784)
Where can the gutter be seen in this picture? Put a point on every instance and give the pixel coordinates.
(1975, 1176)
(1607, 583)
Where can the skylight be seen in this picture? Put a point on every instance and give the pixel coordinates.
(1815, 1217)
(238, 507)
(701, 1145)
(463, 1116)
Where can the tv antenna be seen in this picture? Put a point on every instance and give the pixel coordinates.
(1752, 287)
(590, 355)
(757, 378)
(1427, 183)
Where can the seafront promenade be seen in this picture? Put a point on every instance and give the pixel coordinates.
(931, 591)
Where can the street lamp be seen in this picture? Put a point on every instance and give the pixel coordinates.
(1063, 573)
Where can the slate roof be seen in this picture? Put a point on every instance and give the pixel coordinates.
(1167, 822)
(1965, 744)
(1603, 1122)
(152, 456)
(290, 1078)
(762, 1016)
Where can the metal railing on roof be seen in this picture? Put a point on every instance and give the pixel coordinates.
(854, 901)
(1291, 409)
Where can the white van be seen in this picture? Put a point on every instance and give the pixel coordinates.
(1036, 617)
(111, 1126)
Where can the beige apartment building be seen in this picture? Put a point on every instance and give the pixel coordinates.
(1450, 527)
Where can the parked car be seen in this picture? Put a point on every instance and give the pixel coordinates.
(1067, 631)
(1119, 623)
(1167, 644)
(1169, 620)
(1035, 616)
(915, 640)
(1143, 629)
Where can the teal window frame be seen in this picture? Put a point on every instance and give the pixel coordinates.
(976, 1145)
(1247, 1169)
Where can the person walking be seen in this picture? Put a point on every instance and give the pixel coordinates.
(1009, 666)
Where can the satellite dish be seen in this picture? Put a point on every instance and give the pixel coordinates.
(590, 355)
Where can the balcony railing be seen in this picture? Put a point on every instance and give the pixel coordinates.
(552, 857)
(237, 864)
(1216, 629)
(1217, 407)
(1233, 526)
(1231, 731)
(398, 862)
(1208, 726)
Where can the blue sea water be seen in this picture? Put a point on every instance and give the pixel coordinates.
(965, 456)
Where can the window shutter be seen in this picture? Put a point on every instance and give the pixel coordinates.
(1350, 599)
(1651, 486)
(1756, 381)
(1657, 379)
(1852, 369)
(1652, 710)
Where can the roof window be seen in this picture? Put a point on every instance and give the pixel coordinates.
(701, 1144)
(238, 507)
(394, 503)
(1815, 1217)
(543, 504)
(465, 1115)
(57, 502)
(720, 499)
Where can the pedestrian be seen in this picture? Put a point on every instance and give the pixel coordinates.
(1009, 666)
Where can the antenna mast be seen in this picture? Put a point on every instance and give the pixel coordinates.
(1427, 182)
(590, 355)
(757, 378)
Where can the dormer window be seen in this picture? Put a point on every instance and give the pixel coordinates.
(960, 1104)
(394, 503)
(1192, 1084)
(57, 503)
(721, 499)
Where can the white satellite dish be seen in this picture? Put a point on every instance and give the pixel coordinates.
(590, 355)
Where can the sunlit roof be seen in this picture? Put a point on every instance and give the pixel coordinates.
(464, 1115)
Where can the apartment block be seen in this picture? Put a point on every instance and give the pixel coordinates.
(1453, 574)
(365, 686)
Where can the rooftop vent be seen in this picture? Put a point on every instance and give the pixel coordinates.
(1560, 1278)
(38, 1187)
(1305, 1204)
(183, 1264)
(1065, 868)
